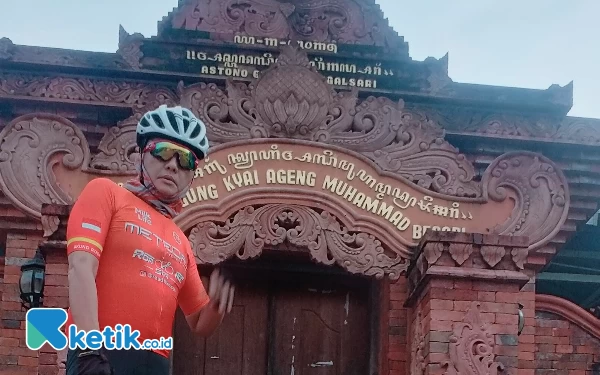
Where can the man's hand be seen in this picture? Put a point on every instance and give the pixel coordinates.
(220, 291)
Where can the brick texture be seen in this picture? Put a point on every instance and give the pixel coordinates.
(562, 348)
(15, 357)
(398, 350)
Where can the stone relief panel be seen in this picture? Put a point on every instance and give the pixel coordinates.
(329, 242)
(418, 365)
(340, 21)
(505, 125)
(30, 148)
(472, 347)
(290, 100)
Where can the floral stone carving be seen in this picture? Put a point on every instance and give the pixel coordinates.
(252, 229)
(472, 347)
(468, 255)
(339, 21)
(31, 147)
(417, 352)
(395, 140)
(292, 100)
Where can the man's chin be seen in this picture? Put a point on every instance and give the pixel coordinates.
(166, 191)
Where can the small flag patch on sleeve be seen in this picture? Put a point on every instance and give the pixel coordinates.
(91, 225)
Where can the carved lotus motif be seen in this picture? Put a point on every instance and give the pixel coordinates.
(292, 101)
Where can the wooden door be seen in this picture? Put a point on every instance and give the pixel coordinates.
(239, 346)
(283, 326)
(320, 331)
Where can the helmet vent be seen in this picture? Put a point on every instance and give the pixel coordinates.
(144, 123)
(158, 121)
(195, 132)
(173, 121)
(186, 124)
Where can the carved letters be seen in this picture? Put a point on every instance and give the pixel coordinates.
(252, 229)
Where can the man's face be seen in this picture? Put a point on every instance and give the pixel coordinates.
(168, 177)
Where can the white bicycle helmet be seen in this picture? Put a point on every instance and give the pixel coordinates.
(177, 124)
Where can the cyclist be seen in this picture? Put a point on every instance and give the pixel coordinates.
(128, 261)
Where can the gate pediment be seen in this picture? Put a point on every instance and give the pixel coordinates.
(245, 191)
(359, 22)
(382, 172)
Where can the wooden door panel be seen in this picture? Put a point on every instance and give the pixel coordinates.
(238, 347)
(321, 332)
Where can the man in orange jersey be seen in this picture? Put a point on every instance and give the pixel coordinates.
(130, 265)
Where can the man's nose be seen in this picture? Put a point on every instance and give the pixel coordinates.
(172, 163)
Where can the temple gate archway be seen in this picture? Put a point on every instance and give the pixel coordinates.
(351, 185)
(298, 166)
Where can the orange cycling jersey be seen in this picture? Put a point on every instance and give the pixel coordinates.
(146, 265)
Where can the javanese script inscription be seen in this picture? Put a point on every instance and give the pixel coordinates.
(336, 175)
(250, 65)
(274, 42)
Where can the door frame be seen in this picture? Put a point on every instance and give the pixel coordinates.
(298, 263)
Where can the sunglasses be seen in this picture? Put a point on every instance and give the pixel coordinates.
(166, 150)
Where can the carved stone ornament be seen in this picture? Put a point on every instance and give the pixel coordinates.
(340, 21)
(130, 47)
(30, 149)
(468, 255)
(118, 150)
(292, 100)
(136, 95)
(327, 240)
(54, 223)
(404, 158)
(418, 365)
(6, 48)
(472, 347)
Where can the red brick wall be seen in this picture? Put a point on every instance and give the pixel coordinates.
(563, 348)
(526, 345)
(445, 305)
(397, 354)
(15, 357)
(56, 295)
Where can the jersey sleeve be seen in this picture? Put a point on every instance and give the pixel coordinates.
(90, 217)
(193, 295)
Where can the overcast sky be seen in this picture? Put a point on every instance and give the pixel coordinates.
(532, 43)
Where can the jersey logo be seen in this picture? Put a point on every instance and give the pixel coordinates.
(176, 238)
(143, 216)
(90, 224)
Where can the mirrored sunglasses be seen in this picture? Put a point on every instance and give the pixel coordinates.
(166, 150)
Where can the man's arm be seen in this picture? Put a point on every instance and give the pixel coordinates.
(208, 319)
(88, 225)
(204, 311)
(83, 297)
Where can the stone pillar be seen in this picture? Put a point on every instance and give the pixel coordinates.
(463, 292)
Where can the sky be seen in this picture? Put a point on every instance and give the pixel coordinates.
(531, 44)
